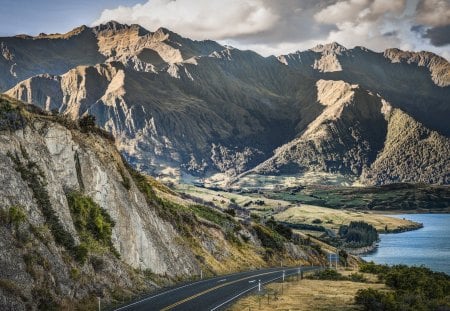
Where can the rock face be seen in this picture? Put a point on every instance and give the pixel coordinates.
(48, 262)
(199, 108)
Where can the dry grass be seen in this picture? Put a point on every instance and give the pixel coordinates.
(307, 295)
(333, 218)
(223, 198)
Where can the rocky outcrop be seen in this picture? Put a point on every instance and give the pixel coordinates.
(78, 223)
(439, 68)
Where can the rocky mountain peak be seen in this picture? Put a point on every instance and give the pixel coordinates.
(328, 48)
(438, 66)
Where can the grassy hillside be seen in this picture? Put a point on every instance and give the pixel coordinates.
(408, 197)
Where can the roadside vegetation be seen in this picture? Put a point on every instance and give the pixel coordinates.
(412, 288)
(372, 288)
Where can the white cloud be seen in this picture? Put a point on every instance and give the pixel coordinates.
(200, 19)
(282, 26)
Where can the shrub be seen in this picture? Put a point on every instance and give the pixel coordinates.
(375, 300)
(231, 237)
(280, 228)
(327, 274)
(97, 263)
(17, 215)
(371, 267)
(87, 121)
(268, 238)
(317, 221)
(357, 277)
(415, 288)
(75, 274)
(80, 253)
(11, 117)
(92, 222)
(231, 212)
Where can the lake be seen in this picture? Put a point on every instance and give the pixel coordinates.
(429, 246)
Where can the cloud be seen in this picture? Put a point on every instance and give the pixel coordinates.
(433, 12)
(282, 26)
(215, 19)
(439, 36)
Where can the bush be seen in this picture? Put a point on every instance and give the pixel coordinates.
(280, 228)
(268, 238)
(327, 274)
(375, 300)
(87, 121)
(80, 253)
(371, 267)
(92, 223)
(357, 277)
(231, 212)
(75, 274)
(11, 117)
(97, 263)
(317, 221)
(17, 215)
(415, 288)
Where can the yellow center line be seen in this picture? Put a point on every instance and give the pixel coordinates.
(211, 289)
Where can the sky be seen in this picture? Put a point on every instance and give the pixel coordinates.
(265, 26)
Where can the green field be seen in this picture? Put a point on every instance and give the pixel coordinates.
(406, 197)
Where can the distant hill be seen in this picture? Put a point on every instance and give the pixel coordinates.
(197, 109)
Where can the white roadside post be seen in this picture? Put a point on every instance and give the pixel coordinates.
(201, 274)
(283, 275)
(259, 285)
(99, 304)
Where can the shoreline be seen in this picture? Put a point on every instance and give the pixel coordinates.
(361, 251)
(412, 212)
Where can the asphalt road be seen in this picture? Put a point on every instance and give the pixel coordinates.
(211, 294)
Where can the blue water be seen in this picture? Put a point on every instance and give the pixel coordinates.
(429, 246)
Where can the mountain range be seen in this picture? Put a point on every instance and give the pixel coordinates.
(203, 111)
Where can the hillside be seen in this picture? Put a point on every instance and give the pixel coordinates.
(187, 109)
(77, 222)
(359, 133)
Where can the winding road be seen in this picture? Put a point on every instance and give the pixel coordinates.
(211, 294)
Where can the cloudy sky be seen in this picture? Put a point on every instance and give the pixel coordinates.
(266, 26)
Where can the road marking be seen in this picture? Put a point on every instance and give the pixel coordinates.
(172, 290)
(252, 281)
(245, 291)
(223, 280)
(212, 289)
(231, 299)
